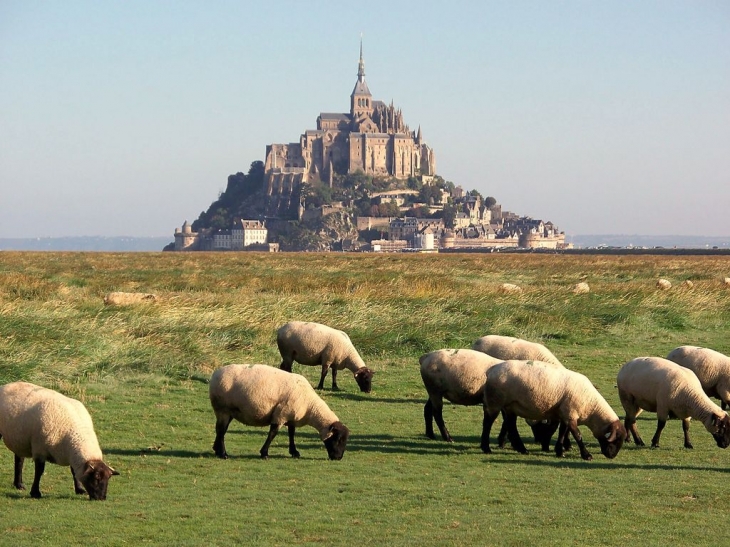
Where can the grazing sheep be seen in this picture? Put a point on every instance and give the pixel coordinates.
(711, 367)
(539, 391)
(510, 288)
(315, 344)
(457, 375)
(127, 298)
(260, 395)
(46, 426)
(726, 281)
(581, 288)
(508, 347)
(663, 285)
(687, 284)
(505, 348)
(661, 386)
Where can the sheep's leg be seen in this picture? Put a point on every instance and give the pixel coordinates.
(503, 431)
(292, 448)
(487, 429)
(438, 415)
(510, 422)
(544, 431)
(685, 429)
(273, 430)
(286, 364)
(18, 480)
(334, 380)
(560, 442)
(78, 487)
(428, 418)
(35, 490)
(573, 426)
(325, 368)
(659, 427)
(219, 445)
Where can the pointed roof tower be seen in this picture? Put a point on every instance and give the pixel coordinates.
(361, 101)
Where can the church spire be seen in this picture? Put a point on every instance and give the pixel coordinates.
(361, 65)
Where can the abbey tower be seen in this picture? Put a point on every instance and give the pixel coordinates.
(372, 138)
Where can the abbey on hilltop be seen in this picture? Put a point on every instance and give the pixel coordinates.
(372, 138)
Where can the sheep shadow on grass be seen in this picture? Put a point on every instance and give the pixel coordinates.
(578, 463)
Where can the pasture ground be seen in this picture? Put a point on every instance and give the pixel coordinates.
(141, 371)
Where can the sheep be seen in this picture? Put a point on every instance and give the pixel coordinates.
(508, 347)
(661, 386)
(663, 284)
(457, 375)
(726, 281)
(539, 391)
(711, 367)
(42, 424)
(687, 284)
(510, 288)
(316, 344)
(260, 395)
(127, 298)
(581, 288)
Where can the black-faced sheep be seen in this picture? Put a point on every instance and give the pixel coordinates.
(659, 385)
(46, 426)
(507, 348)
(457, 375)
(314, 344)
(539, 391)
(711, 367)
(260, 395)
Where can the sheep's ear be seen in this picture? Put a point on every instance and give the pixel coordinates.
(114, 471)
(328, 434)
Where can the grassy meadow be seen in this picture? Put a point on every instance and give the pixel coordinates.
(141, 370)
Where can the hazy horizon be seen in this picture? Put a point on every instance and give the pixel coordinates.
(602, 118)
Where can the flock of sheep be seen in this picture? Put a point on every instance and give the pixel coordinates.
(507, 376)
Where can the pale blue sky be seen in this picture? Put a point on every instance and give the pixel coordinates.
(126, 118)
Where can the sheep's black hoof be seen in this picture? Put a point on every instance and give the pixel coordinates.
(20, 486)
(294, 454)
(431, 435)
(486, 450)
(587, 457)
(688, 445)
(79, 491)
(35, 494)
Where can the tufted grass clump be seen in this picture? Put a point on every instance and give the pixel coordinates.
(142, 371)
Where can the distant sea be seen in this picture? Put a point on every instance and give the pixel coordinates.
(85, 243)
(146, 244)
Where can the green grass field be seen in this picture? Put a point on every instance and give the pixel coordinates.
(141, 371)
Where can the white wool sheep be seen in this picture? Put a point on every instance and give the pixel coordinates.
(663, 284)
(711, 367)
(661, 386)
(261, 395)
(127, 298)
(581, 288)
(46, 426)
(315, 344)
(726, 281)
(509, 347)
(457, 375)
(540, 391)
(510, 288)
(687, 284)
(505, 348)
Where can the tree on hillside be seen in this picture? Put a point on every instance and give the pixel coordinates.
(489, 201)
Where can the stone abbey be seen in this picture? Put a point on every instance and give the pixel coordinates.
(372, 138)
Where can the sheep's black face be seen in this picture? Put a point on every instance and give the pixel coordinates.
(722, 435)
(337, 440)
(612, 441)
(96, 479)
(544, 431)
(364, 379)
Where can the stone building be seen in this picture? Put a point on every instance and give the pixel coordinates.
(372, 138)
